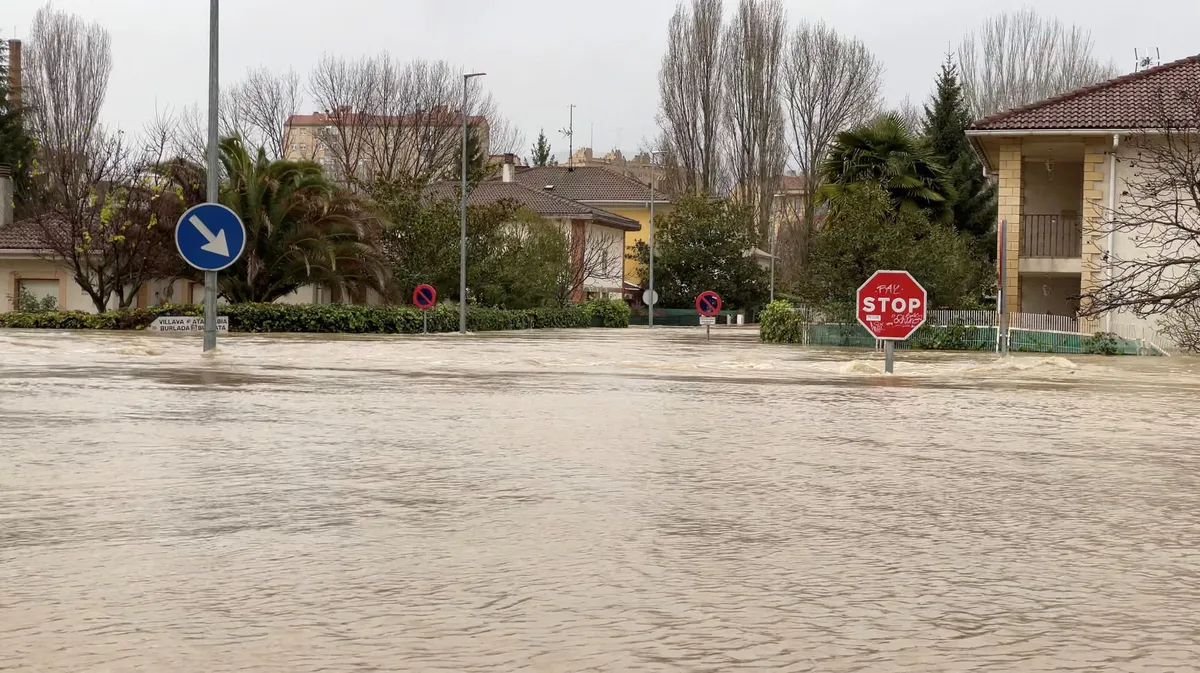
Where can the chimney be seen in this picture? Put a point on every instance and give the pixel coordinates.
(508, 170)
(14, 73)
(6, 196)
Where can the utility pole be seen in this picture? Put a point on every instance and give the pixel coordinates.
(462, 242)
(653, 177)
(214, 178)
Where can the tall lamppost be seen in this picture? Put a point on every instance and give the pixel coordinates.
(462, 243)
(653, 177)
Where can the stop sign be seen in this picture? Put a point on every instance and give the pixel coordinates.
(891, 305)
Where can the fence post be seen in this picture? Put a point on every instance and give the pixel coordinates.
(1002, 295)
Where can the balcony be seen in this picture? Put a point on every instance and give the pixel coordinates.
(1051, 236)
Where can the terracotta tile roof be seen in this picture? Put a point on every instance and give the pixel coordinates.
(23, 235)
(1133, 101)
(587, 183)
(540, 201)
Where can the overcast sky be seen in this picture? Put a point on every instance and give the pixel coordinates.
(542, 55)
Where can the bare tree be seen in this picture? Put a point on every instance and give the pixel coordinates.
(912, 115)
(67, 67)
(1021, 57)
(1155, 266)
(596, 257)
(108, 219)
(348, 92)
(95, 210)
(1182, 327)
(690, 87)
(830, 83)
(262, 104)
(753, 53)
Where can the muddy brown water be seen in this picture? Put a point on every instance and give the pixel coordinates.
(591, 501)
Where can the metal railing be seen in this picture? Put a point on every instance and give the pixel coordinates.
(1051, 236)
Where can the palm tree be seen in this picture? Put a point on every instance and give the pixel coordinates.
(885, 152)
(301, 227)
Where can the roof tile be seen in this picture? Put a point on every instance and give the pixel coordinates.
(585, 183)
(1139, 100)
(540, 201)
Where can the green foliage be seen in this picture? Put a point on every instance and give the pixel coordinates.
(781, 323)
(16, 145)
(515, 259)
(886, 154)
(866, 233)
(540, 152)
(340, 318)
(701, 245)
(1101, 343)
(30, 303)
(956, 336)
(972, 197)
(301, 228)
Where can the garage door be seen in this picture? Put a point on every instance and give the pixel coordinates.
(42, 292)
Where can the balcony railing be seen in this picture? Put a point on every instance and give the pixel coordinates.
(1051, 236)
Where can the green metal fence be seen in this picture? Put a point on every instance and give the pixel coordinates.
(677, 317)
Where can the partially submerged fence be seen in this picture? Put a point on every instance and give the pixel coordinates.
(980, 330)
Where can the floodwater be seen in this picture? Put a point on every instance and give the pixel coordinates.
(590, 501)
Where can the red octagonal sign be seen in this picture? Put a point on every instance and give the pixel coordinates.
(891, 305)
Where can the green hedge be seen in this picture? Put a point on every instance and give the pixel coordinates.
(339, 318)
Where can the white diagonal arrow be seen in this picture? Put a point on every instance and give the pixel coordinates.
(216, 243)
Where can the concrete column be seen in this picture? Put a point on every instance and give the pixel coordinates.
(1095, 193)
(1010, 198)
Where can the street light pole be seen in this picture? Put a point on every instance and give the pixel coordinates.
(214, 184)
(462, 243)
(653, 175)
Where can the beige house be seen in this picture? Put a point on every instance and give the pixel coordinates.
(1061, 166)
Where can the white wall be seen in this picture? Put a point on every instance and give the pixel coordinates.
(611, 278)
(1126, 244)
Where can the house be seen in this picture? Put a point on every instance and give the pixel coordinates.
(600, 188)
(1062, 165)
(596, 236)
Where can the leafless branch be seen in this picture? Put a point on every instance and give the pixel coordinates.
(1154, 267)
(753, 53)
(830, 83)
(1021, 57)
(263, 103)
(597, 260)
(690, 88)
(347, 90)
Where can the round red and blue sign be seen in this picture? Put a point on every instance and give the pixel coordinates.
(708, 303)
(424, 296)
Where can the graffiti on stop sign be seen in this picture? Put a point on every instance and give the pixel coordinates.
(891, 305)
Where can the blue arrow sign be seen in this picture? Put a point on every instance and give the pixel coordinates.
(210, 236)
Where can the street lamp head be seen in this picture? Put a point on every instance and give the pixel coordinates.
(473, 74)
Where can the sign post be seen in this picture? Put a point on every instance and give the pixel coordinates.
(891, 305)
(425, 296)
(210, 237)
(708, 305)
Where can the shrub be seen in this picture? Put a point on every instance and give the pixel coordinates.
(1101, 343)
(340, 318)
(781, 323)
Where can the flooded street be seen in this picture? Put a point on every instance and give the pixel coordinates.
(590, 501)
